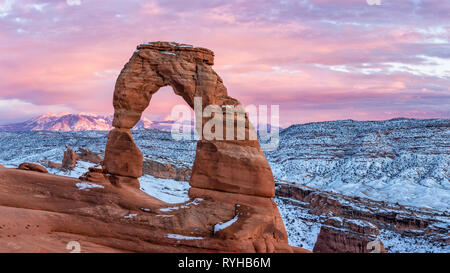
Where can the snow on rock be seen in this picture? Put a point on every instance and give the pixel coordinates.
(87, 186)
(220, 226)
(167, 190)
(182, 237)
(131, 215)
(187, 205)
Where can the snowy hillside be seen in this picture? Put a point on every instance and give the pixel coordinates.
(401, 160)
(80, 122)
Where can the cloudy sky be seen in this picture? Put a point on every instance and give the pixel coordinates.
(317, 59)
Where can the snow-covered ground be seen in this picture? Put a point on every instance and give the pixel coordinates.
(167, 190)
(405, 161)
(398, 243)
(302, 227)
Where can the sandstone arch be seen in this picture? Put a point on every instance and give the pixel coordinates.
(235, 166)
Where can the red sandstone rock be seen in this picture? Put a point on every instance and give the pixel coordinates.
(1, 166)
(161, 170)
(32, 167)
(237, 166)
(70, 159)
(224, 166)
(340, 235)
(55, 210)
(54, 165)
(122, 156)
(89, 156)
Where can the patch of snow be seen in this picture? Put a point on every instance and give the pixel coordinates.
(182, 237)
(220, 226)
(167, 190)
(194, 202)
(361, 223)
(87, 186)
(168, 53)
(131, 215)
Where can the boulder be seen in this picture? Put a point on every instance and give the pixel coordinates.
(32, 167)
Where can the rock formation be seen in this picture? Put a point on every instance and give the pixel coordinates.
(340, 235)
(166, 171)
(236, 166)
(70, 159)
(32, 167)
(231, 176)
(230, 207)
(89, 156)
(42, 212)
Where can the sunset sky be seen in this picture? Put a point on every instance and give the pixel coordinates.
(318, 59)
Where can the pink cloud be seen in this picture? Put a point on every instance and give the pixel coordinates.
(318, 59)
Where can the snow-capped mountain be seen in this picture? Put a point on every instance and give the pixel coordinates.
(79, 122)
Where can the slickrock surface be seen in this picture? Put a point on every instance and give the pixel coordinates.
(43, 213)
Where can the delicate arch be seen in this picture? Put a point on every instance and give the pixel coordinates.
(236, 166)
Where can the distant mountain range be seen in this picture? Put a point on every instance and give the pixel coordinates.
(87, 122)
(80, 122)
